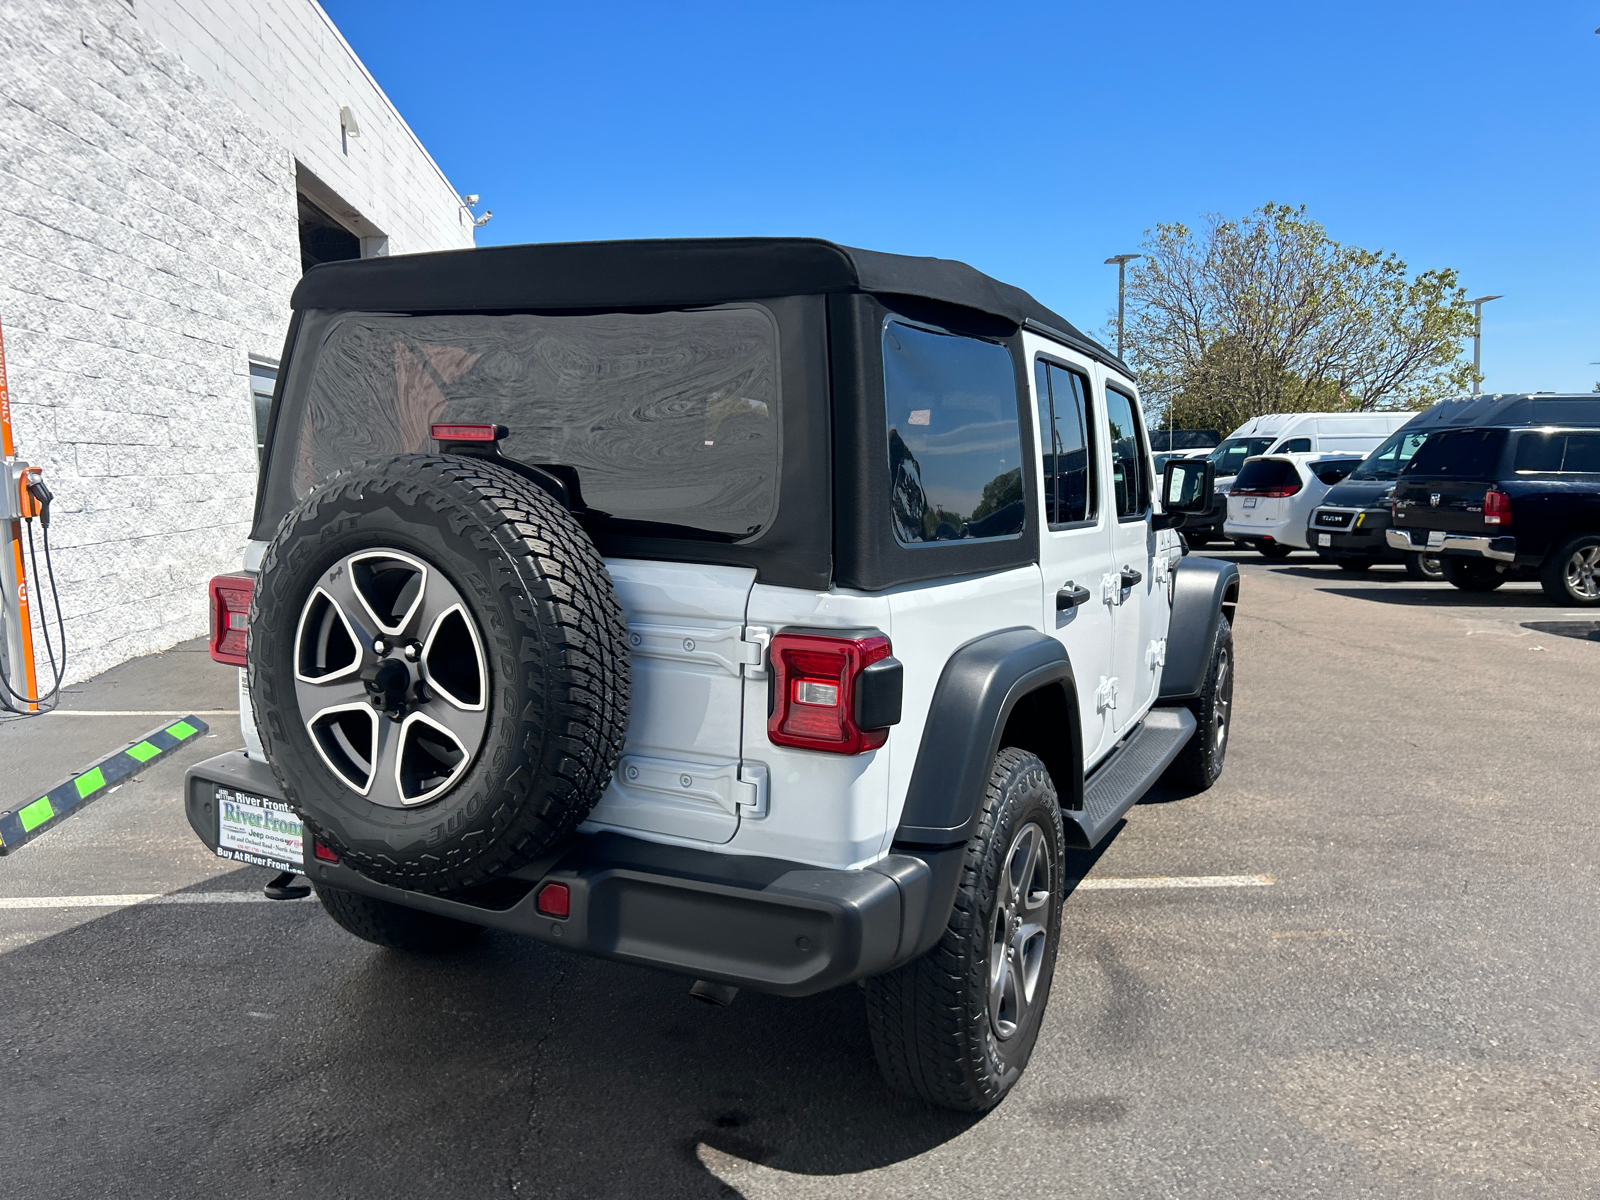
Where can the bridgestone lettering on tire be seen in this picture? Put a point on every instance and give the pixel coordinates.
(439, 670)
(956, 1027)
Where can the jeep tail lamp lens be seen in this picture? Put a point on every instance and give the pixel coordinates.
(230, 617)
(462, 433)
(816, 699)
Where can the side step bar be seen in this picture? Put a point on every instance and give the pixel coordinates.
(1128, 774)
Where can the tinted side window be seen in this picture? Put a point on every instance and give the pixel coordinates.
(1539, 453)
(1066, 443)
(1127, 455)
(955, 440)
(1583, 453)
(1295, 446)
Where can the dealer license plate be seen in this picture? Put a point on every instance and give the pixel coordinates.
(1435, 539)
(262, 832)
(1324, 539)
(1249, 501)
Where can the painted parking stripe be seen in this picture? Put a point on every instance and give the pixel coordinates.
(21, 825)
(1174, 881)
(127, 900)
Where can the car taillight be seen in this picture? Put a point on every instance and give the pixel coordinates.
(462, 433)
(1496, 508)
(230, 617)
(1276, 492)
(834, 694)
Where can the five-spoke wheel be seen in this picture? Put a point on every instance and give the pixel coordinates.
(1019, 930)
(390, 677)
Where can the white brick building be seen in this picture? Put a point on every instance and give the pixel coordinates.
(166, 169)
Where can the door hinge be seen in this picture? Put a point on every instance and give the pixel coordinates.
(736, 649)
(1111, 589)
(750, 790)
(1155, 655)
(1105, 696)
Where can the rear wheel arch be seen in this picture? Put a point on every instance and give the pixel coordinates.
(1035, 724)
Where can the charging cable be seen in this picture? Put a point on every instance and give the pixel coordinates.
(42, 497)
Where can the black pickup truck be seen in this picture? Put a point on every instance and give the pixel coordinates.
(1500, 503)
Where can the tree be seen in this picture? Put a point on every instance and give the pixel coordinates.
(1270, 314)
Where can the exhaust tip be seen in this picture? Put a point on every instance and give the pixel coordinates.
(719, 994)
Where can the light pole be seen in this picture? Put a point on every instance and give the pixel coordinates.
(1477, 337)
(1122, 261)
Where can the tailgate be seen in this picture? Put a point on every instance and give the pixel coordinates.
(1451, 505)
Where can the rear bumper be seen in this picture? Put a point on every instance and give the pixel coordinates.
(1501, 549)
(1256, 535)
(768, 925)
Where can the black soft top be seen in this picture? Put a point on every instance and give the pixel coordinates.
(663, 273)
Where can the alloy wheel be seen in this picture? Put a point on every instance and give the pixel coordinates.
(1583, 572)
(1223, 706)
(1020, 931)
(391, 678)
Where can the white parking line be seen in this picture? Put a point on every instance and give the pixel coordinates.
(1174, 881)
(128, 899)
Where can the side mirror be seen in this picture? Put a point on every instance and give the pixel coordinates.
(1186, 487)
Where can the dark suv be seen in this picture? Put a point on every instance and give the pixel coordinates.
(1502, 503)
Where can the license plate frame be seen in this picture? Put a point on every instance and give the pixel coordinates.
(1248, 501)
(258, 830)
(1324, 539)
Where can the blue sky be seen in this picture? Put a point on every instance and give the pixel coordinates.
(1034, 140)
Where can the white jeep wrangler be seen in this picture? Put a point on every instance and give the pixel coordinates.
(762, 610)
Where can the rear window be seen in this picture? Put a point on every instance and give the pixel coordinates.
(670, 420)
(1266, 473)
(1558, 453)
(1335, 471)
(955, 437)
(1458, 454)
(1230, 455)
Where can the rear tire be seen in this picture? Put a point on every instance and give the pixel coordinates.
(1424, 566)
(1471, 574)
(1275, 551)
(956, 1027)
(1199, 764)
(1571, 575)
(394, 925)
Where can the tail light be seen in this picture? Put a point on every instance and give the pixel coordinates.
(1275, 492)
(465, 433)
(230, 617)
(835, 694)
(1496, 508)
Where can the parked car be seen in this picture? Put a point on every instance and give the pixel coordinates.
(577, 609)
(1288, 433)
(1348, 528)
(1506, 503)
(1272, 497)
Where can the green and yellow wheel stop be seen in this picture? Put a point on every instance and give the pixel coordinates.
(22, 825)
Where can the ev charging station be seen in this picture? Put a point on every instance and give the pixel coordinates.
(23, 497)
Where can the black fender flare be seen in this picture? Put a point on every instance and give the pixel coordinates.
(1202, 590)
(980, 686)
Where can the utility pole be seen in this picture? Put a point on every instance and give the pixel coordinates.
(1122, 261)
(1477, 338)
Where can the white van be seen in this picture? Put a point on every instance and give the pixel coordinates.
(1305, 433)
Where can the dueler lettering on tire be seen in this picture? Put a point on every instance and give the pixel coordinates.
(439, 670)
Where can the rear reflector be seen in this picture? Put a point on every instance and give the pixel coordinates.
(555, 900)
(463, 433)
(323, 853)
(230, 617)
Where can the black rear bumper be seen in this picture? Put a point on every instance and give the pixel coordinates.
(760, 923)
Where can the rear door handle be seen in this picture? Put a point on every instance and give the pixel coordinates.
(1131, 578)
(1071, 596)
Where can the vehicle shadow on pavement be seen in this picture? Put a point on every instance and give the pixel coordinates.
(1445, 596)
(257, 1049)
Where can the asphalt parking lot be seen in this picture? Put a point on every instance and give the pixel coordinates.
(1402, 1003)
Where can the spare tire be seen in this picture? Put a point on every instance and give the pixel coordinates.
(439, 669)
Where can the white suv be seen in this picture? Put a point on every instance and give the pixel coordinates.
(763, 610)
(1272, 498)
